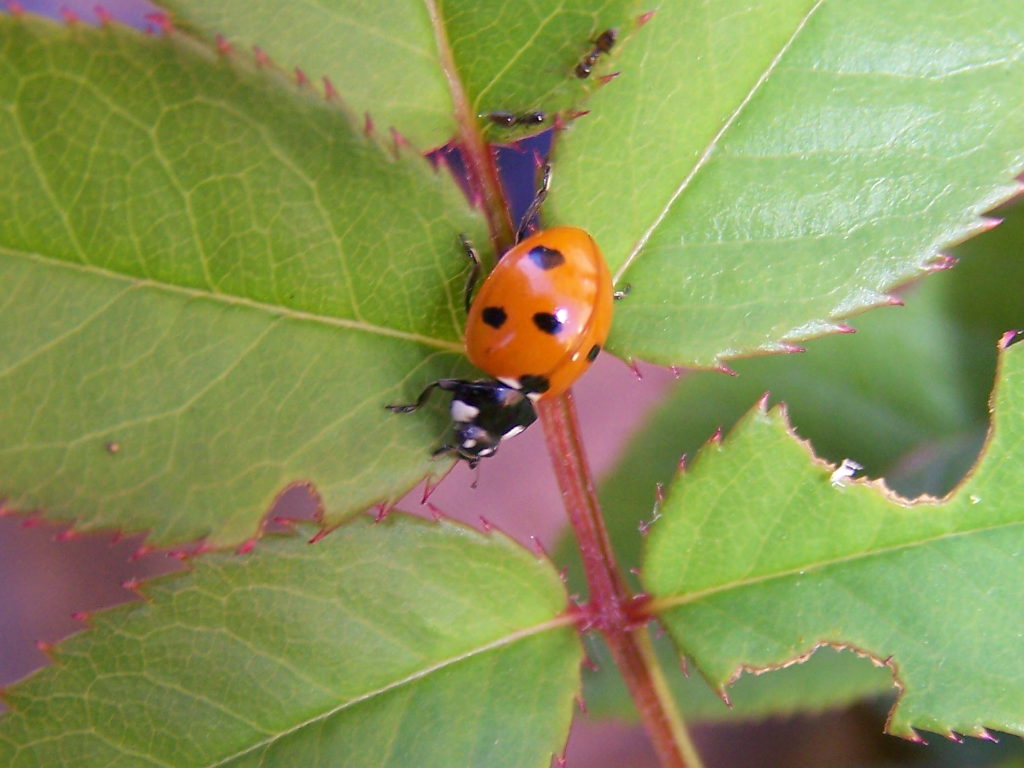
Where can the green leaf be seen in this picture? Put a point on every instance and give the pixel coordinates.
(825, 681)
(215, 272)
(760, 170)
(394, 644)
(751, 580)
(906, 396)
(391, 60)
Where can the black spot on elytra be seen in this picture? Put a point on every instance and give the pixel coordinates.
(547, 322)
(546, 258)
(531, 383)
(593, 353)
(494, 316)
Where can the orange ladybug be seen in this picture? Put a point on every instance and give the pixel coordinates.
(539, 320)
(543, 314)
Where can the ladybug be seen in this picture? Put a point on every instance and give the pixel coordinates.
(537, 323)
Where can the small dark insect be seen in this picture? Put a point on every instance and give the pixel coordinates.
(603, 44)
(509, 119)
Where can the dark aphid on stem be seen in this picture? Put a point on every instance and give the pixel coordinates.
(603, 44)
(508, 119)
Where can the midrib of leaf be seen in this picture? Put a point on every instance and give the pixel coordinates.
(713, 143)
(507, 640)
(277, 311)
(660, 605)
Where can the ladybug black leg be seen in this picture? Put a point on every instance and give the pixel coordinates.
(474, 270)
(448, 384)
(527, 222)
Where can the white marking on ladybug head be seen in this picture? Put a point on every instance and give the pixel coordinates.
(510, 382)
(484, 451)
(513, 432)
(470, 443)
(463, 411)
(534, 396)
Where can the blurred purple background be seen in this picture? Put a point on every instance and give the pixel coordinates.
(48, 581)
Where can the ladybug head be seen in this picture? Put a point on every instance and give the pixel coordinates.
(475, 442)
(483, 414)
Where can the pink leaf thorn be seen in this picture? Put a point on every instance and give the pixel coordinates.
(140, 553)
(319, 535)
(398, 141)
(223, 46)
(436, 514)
(581, 703)
(81, 616)
(300, 78)
(15, 8)
(70, 17)
(643, 18)
(723, 368)
(162, 22)
(681, 464)
(45, 647)
(538, 546)
(635, 368)
(31, 522)
(941, 262)
(716, 438)
(485, 524)
(605, 79)
(724, 696)
(68, 534)
(262, 60)
(131, 584)
(560, 761)
(381, 512)
(179, 554)
(1010, 338)
(330, 93)
(578, 114)
(103, 15)
(246, 546)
